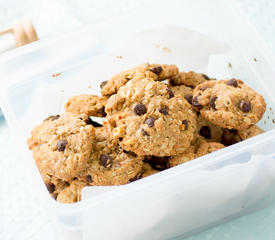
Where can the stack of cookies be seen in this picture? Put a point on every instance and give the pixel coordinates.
(149, 125)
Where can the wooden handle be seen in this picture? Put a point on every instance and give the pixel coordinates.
(24, 32)
(6, 30)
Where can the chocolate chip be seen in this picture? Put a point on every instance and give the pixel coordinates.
(156, 70)
(89, 179)
(61, 145)
(212, 102)
(137, 177)
(170, 92)
(120, 139)
(205, 76)
(188, 97)
(140, 109)
(205, 132)
(150, 122)
(102, 112)
(50, 187)
(103, 84)
(54, 196)
(106, 160)
(230, 137)
(93, 123)
(204, 88)
(195, 102)
(232, 82)
(159, 163)
(144, 133)
(52, 117)
(185, 123)
(163, 110)
(245, 105)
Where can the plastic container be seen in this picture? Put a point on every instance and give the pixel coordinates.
(179, 201)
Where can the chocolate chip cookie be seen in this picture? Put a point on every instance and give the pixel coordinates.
(156, 72)
(148, 119)
(88, 104)
(207, 131)
(229, 103)
(183, 91)
(109, 164)
(208, 147)
(62, 145)
(190, 79)
(188, 155)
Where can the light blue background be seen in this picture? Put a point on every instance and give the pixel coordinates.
(20, 214)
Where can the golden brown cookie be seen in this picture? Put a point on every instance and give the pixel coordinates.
(148, 170)
(88, 104)
(208, 147)
(156, 72)
(62, 145)
(188, 155)
(229, 103)
(252, 131)
(183, 91)
(190, 79)
(207, 131)
(72, 192)
(148, 119)
(109, 164)
(233, 136)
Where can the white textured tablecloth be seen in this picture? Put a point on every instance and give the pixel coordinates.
(21, 216)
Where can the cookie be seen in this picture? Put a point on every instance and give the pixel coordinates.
(72, 192)
(148, 119)
(229, 103)
(62, 145)
(54, 185)
(230, 137)
(252, 131)
(91, 105)
(207, 131)
(233, 136)
(156, 72)
(208, 147)
(109, 164)
(188, 155)
(148, 170)
(190, 79)
(183, 91)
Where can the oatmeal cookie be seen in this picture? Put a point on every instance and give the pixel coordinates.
(190, 79)
(232, 136)
(188, 155)
(109, 164)
(88, 104)
(183, 91)
(229, 103)
(62, 145)
(154, 71)
(208, 147)
(148, 119)
(207, 131)
(72, 192)
(148, 170)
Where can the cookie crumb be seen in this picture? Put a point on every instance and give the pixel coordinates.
(255, 60)
(166, 49)
(89, 86)
(55, 75)
(230, 65)
(119, 57)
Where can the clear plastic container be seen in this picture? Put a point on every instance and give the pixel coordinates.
(179, 201)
